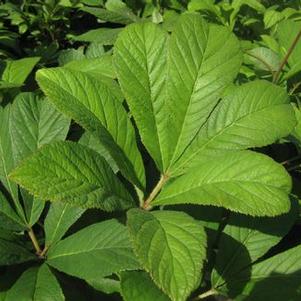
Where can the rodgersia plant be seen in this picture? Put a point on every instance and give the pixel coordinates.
(199, 129)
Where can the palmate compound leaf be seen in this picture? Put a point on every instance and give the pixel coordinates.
(93, 105)
(243, 241)
(36, 284)
(94, 252)
(171, 87)
(243, 181)
(171, 246)
(72, 173)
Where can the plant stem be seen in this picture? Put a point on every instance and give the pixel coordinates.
(209, 293)
(291, 160)
(34, 241)
(44, 251)
(155, 191)
(285, 59)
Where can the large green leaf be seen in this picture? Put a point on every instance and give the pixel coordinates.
(244, 240)
(277, 278)
(171, 246)
(171, 89)
(36, 284)
(204, 60)
(254, 114)
(243, 181)
(140, 56)
(138, 286)
(17, 71)
(58, 220)
(96, 251)
(73, 173)
(34, 122)
(91, 103)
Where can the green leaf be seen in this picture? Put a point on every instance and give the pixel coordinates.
(171, 246)
(72, 173)
(92, 142)
(281, 271)
(36, 283)
(102, 66)
(103, 245)
(204, 60)
(70, 55)
(171, 89)
(272, 17)
(252, 115)
(244, 240)
(106, 285)
(7, 159)
(245, 182)
(140, 58)
(286, 33)
(34, 122)
(17, 71)
(33, 207)
(138, 286)
(9, 220)
(93, 105)
(121, 14)
(103, 36)
(58, 220)
(13, 253)
(264, 59)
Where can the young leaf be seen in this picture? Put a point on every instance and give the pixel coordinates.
(94, 106)
(281, 271)
(34, 122)
(36, 283)
(58, 220)
(244, 181)
(17, 71)
(171, 246)
(70, 172)
(138, 286)
(246, 239)
(252, 115)
(104, 245)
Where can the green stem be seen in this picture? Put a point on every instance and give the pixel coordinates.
(285, 59)
(204, 295)
(146, 205)
(34, 241)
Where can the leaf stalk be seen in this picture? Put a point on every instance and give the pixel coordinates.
(163, 179)
(285, 59)
(34, 241)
